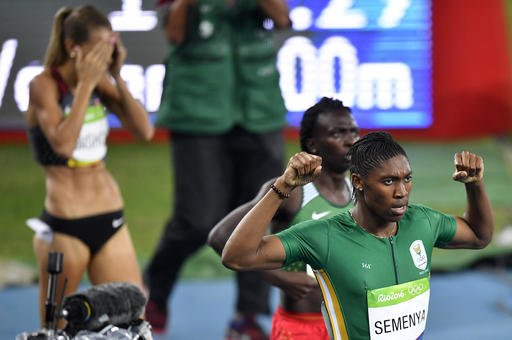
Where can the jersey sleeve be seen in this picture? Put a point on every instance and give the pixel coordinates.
(443, 226)
(306, 241)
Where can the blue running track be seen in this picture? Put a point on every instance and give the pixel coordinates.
(465, 305)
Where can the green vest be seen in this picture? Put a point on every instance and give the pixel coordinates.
(224, 74)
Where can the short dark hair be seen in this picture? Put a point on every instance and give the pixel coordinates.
(371, 150)
(310, 118)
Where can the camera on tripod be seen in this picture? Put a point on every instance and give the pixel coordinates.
(101, 312)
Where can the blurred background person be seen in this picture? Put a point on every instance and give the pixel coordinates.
(327, 130)
(222, 104)
(67, 128)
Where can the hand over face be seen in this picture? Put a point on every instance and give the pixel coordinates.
(118, 56)
(92, 64)
(469, 167)
(302, 168)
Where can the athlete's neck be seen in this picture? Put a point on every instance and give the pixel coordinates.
(68, 74)
(383, 229)
(333, 187)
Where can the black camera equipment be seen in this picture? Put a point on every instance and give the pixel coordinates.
(54, 268)
(105, 311)
(116, 303)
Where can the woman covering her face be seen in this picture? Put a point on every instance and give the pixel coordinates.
(67, 127)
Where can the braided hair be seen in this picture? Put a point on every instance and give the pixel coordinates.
(371, 150)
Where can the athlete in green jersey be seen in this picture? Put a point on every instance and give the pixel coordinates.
(337, 247)
(328, 130)
(372, 262)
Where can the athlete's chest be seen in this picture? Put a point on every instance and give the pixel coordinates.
(368, 262)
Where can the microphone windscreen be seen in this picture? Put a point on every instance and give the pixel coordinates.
(116, 303)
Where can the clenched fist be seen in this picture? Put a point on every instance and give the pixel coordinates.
(469, 167)
(302, 168)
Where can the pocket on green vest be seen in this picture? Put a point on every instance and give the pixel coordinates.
(198, 94)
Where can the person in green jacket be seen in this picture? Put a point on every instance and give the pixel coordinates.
(372, 262)
(222, 104)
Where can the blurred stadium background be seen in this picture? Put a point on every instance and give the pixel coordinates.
(459, 97)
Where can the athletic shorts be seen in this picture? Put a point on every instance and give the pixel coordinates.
(297, 326)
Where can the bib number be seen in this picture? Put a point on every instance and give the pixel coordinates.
(400, 311)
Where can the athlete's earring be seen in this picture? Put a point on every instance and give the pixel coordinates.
(72, 54)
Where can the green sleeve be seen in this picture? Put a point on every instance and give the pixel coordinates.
(443, 226)
(306, 241)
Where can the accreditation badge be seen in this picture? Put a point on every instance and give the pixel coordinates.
(400, 311)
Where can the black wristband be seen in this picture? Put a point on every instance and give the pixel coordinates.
(279, 193)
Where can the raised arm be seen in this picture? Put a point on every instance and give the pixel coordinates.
(119, 100)
(248, 247)
(475, 228)
(62, 133)
(296, 285)
(219, 235)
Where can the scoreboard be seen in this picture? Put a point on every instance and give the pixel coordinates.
(374, 55)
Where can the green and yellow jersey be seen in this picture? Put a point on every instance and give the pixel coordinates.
(350, 263)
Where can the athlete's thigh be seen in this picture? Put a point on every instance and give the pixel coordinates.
(116, 261)
(76, 256)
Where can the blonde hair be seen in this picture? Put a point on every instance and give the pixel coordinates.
(74, 24)
(56, 52)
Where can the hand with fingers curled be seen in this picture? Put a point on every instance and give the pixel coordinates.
(118, 56)
(91, 66)
(469, 167)
(302, 168)
(298, 285)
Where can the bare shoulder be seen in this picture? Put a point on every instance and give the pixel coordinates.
(43, 98)
(43, 83)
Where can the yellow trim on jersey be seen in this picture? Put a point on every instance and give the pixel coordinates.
(339, 330)
(74, 163)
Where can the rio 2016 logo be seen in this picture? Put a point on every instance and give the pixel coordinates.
(416, 289)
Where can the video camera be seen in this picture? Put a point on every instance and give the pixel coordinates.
(101, 312)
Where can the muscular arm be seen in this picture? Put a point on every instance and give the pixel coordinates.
(475, 228)
(118, 98)
(296, 285)
(219, 235)
(61, 133)
(129, 110)
(248, 247)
